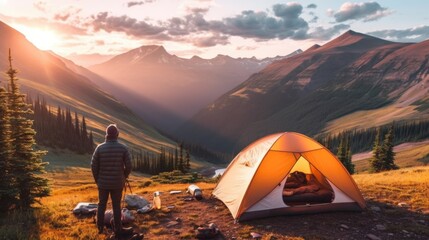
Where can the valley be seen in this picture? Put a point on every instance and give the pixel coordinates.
(42, 74)
(294, 120)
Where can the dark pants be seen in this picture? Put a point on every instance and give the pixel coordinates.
(103, 196)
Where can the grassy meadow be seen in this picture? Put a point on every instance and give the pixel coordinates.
(178, 219)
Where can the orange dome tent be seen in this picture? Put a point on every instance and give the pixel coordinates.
(252, 185)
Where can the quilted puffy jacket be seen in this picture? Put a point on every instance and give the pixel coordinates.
(111, 165)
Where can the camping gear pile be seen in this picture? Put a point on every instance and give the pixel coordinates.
(135, 203)
(132, 201)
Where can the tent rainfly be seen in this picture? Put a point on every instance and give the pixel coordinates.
(253, 184)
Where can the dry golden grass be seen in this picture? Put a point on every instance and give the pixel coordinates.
(410, 185)
(54, 220)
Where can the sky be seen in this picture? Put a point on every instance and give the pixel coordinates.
(239, 28)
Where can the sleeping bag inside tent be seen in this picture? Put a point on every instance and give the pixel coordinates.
(286, 173)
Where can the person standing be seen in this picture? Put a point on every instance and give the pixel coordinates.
(110, 165)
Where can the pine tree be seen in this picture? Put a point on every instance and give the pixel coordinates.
(181, 166)
(344, 154)
(176, 159)
(27, 162)
(388, 156)
(349, 165)
(7, 190)
(77, 138)
(84, 137)
(375, 161)
(188, 161)
(341, 152)
(91, 142)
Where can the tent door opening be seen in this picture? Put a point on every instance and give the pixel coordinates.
(305, 185)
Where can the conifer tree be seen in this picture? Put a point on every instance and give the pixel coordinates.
(341, 152)
(188, 161)
(176, 159)
(375, 161)
(27, 162)
(350, 166)
(91, 141)
(388, 156)
(77, 138)
(7, 190)
(181, 159)
(84, 137)
(344, 154)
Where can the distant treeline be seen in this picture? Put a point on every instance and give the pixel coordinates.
(166, 161)
(363, 140)
(58, 130)
(201, 152)
(208, 155)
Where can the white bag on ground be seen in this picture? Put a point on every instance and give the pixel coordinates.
(135, 201)
(85, 208)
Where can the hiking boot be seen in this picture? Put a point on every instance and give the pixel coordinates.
(125, 231)
(137, 236)
(100, 229)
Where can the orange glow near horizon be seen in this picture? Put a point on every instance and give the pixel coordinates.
(41, 38)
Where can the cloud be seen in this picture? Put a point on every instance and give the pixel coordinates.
(41, 6)
(210, 41)
(246, 48)
(99, 42)
(312, 5)
(285, 21)
(132, 4)
(415, 34)
(65, 29)
(314, 19)
(321, 33)
(130, 26)
(138, 3)
(64, 15)
(196, 6)
(368, 11)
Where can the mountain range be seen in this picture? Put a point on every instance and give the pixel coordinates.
(165, 89)
(353, 81)
(53, 78)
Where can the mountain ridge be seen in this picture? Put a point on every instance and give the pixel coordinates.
(305, 92)
(177, 85)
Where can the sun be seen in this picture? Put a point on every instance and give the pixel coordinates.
(43, 39)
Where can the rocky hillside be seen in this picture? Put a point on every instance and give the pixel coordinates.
(307, 92)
